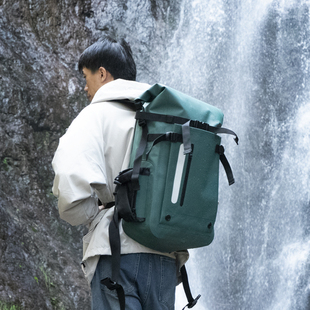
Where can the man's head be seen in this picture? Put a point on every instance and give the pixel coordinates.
(105, 61)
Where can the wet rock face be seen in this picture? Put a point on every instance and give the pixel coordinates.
(41, 92)
(39, 96)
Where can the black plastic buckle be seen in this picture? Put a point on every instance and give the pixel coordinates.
(194, 123)
(111, 285)
(205, 126)
(142, 122)
(139, 104)
(116, 181)
(199, 124)
(171, 136)
(219, 149)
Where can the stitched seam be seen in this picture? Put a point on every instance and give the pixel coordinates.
(149, 280)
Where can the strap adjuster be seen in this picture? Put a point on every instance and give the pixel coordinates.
(199, 124)
(172, 136)
(219, 149)
(194, 123)
(111, 285)
(116, 181)
(142, 122)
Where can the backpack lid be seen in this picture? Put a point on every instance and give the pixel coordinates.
(165, 100)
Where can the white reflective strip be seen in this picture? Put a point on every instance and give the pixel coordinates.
(178, 175)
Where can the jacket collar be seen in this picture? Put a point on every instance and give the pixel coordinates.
(120, 89)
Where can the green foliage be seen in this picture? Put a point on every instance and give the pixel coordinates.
(8, 306)
(57, 304)
(47, 278)
(6, 167)
(33, 229)
(54, 301)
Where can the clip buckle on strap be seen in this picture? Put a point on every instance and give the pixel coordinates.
(168, 136)
(199, 124)
(111, 285)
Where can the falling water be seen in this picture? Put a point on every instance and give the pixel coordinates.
(251, 59)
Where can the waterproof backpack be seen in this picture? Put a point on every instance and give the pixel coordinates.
(168, 198)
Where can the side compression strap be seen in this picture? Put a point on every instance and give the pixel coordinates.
(220, 150)
(176, 137)
(216, 130)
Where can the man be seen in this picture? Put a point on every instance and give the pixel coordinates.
(95, 148)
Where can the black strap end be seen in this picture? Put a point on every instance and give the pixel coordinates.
(231, 181)
(192, 303)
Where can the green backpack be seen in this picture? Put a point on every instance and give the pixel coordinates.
(168, 198)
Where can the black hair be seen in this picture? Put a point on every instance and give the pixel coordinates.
(115, 57)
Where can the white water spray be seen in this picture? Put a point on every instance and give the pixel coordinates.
(251, 59)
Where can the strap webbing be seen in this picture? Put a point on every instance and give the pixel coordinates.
(220, 150)
(141, 115)
(115, 244)
(134, 105)
(138, 159)
(109, 205)
(191, 301)
(168, 136)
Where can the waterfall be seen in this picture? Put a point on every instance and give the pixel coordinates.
(251, 59)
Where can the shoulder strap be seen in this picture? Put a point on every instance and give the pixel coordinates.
(135, 105)
(115, 244)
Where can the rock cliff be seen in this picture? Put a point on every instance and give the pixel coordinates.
(41, 92)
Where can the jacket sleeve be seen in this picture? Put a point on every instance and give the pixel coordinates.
(79, 166)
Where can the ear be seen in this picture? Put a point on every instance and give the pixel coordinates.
(102, 74)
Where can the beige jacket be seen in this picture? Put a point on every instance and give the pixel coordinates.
(95, 148)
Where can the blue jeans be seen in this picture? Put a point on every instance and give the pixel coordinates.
(149, 282)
